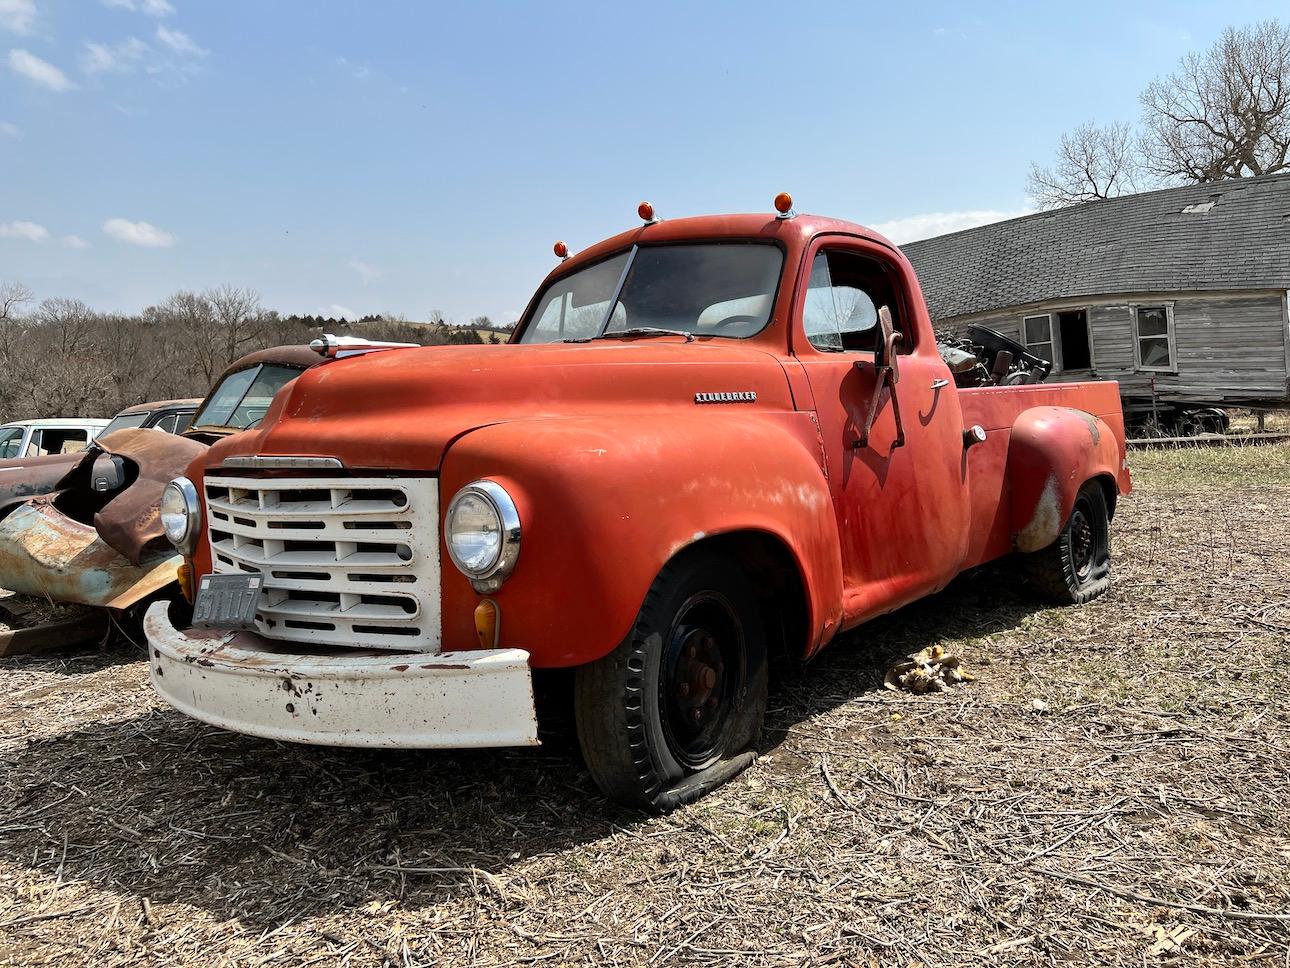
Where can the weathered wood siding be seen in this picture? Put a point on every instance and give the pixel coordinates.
(1228, 347)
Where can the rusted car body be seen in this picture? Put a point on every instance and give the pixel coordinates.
(84, 528)
(698, 480)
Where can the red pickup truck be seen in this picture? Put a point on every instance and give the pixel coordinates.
(709, 440)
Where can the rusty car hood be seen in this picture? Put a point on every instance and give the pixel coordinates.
(400, 409)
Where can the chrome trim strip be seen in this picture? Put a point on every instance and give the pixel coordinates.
(284, 463)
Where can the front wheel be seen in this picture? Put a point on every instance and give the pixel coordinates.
(1076, 568)
(673, 711)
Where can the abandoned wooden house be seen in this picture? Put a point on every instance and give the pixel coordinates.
(1180, 294)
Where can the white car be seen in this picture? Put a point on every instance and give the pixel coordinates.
(52, 435)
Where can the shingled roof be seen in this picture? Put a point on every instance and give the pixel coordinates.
(1223, 235)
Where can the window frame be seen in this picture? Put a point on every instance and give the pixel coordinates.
(800, 344)
(1052, 341)
(1138, 365)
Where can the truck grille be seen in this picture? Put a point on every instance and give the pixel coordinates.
(347, 561)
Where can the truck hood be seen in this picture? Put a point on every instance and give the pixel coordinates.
(400, 409)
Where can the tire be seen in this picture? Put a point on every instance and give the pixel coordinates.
(1076, 568)
(674, 710)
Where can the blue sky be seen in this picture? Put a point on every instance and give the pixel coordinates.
(413, 156)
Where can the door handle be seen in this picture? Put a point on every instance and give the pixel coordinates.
(940, 384)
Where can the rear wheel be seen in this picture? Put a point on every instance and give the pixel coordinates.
(673, 711)
(1076, 568)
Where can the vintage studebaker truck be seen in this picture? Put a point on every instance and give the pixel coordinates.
(708, 442)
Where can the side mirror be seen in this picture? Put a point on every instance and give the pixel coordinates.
(888, 343)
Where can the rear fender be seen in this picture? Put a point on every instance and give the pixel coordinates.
(604, 503)
(1052, 452)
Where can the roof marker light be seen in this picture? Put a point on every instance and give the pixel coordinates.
(561, 250)
(646, 211)
(784, 205)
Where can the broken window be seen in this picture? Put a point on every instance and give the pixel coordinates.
(1154, 337)
(1061, 338)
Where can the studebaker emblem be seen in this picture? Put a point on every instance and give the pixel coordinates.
(736, 396)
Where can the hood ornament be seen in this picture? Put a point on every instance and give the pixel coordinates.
(339, 347)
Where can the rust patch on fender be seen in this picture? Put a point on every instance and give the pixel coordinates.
(1045, 523)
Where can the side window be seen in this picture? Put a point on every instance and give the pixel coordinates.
(166, 424)
(843, 297)
(182, 421)
(1154, 336)
(45, 442)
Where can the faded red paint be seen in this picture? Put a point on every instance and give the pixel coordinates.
(615, 469)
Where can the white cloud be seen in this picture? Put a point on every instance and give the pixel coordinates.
(38, 71)
(27, 231)
(337, 311)
(915, 227)
(9, 129)
(138, 233)
(121, 58)
(17, 15)
(365, 272)
(74, 242)
(179, 42)
(153, 8)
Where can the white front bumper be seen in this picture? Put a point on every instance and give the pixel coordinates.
(246, 683)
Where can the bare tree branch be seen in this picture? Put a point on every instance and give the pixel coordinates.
(1093, 162)
(1224, 113)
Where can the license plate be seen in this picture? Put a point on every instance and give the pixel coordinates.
(227, 601)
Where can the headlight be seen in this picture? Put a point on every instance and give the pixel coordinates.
(181, 514)
(482, 531)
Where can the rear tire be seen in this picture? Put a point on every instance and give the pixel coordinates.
(674, 709)
(1076, 568)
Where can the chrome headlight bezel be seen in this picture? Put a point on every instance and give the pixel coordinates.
(488, 578)
(186, 492)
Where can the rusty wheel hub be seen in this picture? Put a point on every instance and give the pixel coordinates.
(699, 677)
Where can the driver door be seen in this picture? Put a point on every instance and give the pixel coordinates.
(898, 492)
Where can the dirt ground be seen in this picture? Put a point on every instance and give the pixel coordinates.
(1115, 789)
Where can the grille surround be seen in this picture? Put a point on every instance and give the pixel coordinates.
(346, 561)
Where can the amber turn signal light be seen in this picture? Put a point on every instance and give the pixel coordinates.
(646, 211)
(184, 575)
(488, 621)
(783, 203)
(561, 250)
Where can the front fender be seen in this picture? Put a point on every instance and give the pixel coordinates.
(1052, 452)
(604, 503)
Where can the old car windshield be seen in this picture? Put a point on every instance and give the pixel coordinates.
(704, 289)
(242, 398)
(10, 441)
(124, 421)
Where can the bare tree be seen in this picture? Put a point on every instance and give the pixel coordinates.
(1224, 113)
(13, 296)
(1093, 162)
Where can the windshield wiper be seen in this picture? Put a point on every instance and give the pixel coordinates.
(647, 331)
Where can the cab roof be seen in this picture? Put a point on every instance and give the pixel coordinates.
(188, 404)
(797, 229)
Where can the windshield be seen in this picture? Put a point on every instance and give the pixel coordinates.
(706, 289)
(10, 441)
(241, 399)
(124, 421)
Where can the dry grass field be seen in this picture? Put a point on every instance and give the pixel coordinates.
(1113, 790)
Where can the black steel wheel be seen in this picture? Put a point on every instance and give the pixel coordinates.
(1076, 568)
(675, 708)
